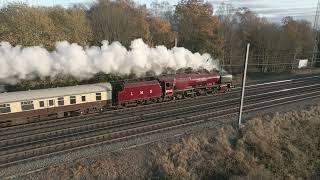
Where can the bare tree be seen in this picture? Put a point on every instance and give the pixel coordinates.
(118, 21)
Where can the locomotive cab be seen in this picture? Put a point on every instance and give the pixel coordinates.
(167, 85)
(167, 88)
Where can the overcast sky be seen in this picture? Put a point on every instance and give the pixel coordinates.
(272, 9)
(276, 9)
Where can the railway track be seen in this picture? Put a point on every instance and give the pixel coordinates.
(53, 130)
(8, 142)
(25, 145)
(127, 112)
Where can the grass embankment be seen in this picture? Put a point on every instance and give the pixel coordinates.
(281, 146)
(286, 146)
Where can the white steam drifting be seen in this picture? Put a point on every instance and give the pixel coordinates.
(18, 63)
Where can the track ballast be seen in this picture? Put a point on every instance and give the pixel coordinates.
(42, 139)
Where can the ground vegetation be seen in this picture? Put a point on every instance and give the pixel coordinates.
(275, 146)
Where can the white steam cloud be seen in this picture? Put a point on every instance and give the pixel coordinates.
(18, 63)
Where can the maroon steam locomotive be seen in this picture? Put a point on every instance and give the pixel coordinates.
(169, 87)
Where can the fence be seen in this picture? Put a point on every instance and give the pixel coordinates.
(282, 62)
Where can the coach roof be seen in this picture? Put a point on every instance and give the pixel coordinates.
(53, 92)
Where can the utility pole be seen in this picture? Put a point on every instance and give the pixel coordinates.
(316, 28)
(243, 84)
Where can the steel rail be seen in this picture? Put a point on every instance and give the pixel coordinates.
(67, 132)
(47, 133)
(138, 131)
(66, 122)
(145, 107)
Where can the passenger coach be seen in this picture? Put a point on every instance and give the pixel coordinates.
(17, 107)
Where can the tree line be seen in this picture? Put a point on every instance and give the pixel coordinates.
(223, 33)
(200, 26)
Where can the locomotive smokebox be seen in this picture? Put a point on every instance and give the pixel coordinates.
(226, 78)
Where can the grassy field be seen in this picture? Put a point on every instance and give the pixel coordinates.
(278, 146)
(285, 146)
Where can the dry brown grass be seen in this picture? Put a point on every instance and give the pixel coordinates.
(285, 147)
(132, 163)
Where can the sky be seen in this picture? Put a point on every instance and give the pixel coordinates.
(274, 10)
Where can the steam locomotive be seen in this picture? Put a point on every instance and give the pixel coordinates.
(169, 88)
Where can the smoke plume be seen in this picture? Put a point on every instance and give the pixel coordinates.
(18, 63)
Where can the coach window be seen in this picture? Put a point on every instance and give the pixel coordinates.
(83, 98)
(73, 100)
(41, 103)
(27, 105)
(98, 96)
(5, 108)
(60, 101)
(51, 102)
